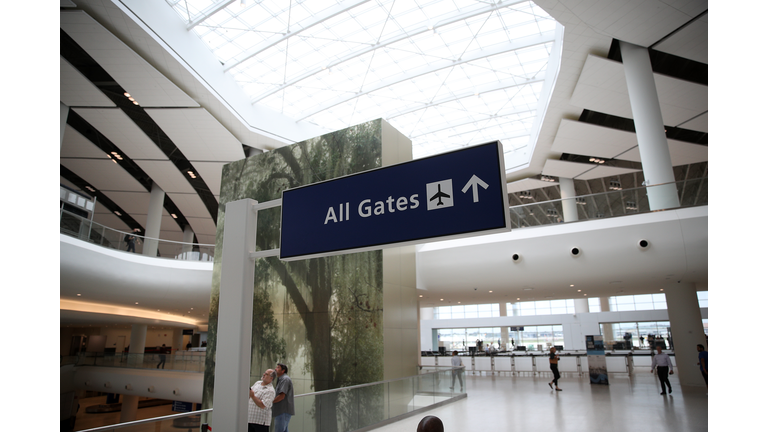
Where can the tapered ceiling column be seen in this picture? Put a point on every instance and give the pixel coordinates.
(568, 194)
(649, 126)
(130, 404)
(154, 220)
(687, 331)
(63, 113)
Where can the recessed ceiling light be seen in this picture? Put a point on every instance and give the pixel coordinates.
(137, 302)
(79, 295)
(490, 291)
(421, 296)
(441, 299)
(126, 94)
(577, 290)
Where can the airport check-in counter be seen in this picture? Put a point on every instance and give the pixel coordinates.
(535, 362)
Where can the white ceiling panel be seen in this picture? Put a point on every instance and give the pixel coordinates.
(75, 145)
(190, 205)
(198, 135)
(166, 175)
(76, 90)
(567, 169)
(135, 203)
(111, 220)
(690, 42)
(148, 86)
(123, 132)
(203, 227)
(605, 171)
(682, 153)
(528, 184)
(700, 123)
(210, 172)
(591, 140)
(104, 175)
(602, 87)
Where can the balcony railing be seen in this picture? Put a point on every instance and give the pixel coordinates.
(84, 229)
(346, 408)
(692, 193)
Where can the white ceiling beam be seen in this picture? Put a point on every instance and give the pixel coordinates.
(209, 12)
(521, 43)
(409, 33)
(269, 43)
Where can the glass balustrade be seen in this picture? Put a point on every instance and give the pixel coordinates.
(84, 229)
(347, 408)
(603, 205)
(190, 421)
(187, 362)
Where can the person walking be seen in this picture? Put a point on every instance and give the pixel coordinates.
(553, 359)
(458, 370)
(282, 407)
(162, 356)
(260, 398)
(662, 364)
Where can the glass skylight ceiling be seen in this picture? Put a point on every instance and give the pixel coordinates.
(445, 73)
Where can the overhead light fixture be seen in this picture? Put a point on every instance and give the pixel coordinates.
(614, 185)
(597, 160)
(631, 205)
(581, 201)
(126, 94)
(552, 212)
(117, 213)
(547, 178)
(526, 195)
(173, 215)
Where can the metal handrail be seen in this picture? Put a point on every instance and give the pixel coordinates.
(596, 194)
(149, 420)
(369, 384)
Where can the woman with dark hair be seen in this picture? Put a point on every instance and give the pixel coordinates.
(553, 359)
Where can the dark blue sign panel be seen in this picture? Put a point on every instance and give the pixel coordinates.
(455, 194)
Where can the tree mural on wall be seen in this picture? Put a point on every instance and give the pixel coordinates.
(338, 299)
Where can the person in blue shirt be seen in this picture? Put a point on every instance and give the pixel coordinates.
(703, 362)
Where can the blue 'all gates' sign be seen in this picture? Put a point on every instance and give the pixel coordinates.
(451, 195)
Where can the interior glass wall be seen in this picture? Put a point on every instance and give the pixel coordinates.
(533, 336)
(461, 339)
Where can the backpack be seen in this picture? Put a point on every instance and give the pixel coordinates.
(127, 238)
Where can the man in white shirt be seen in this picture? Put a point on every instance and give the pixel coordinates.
(663, 365)
(260, 398)
(458, 369)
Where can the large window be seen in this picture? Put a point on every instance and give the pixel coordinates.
(467, 311)
(543, 307)
(461, 339)
(703, 298)
(533, 336)
(658, 330)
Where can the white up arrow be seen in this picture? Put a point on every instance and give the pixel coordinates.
(474, 182)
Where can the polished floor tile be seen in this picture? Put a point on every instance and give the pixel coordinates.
(505, 403)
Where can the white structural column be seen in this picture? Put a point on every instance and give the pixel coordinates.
(64, 113)
(177, 343)
(189, 237)
(568, 194)
(504, 329)
(581, 305)
(607, 328)
(233, 362)
(687, 331)
(649, 126)
(154, 219)
(130, 403)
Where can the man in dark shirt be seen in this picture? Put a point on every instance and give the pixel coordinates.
(282, 408)
(703, 362)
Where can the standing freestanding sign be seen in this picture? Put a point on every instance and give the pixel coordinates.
(598, 370)
(451, 195)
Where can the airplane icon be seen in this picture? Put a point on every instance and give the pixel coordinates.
(439, 195)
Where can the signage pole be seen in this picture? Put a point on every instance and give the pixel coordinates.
(233, 362)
